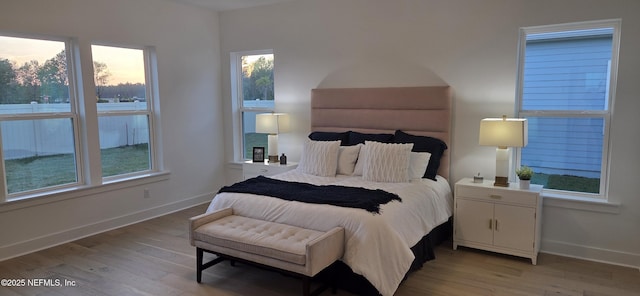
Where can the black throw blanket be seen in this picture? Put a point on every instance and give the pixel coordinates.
(343, 196)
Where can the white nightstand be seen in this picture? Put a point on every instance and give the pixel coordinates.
(499, 219)
(253, 169)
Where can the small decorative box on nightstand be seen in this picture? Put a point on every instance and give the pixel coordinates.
(499, 219)
(253, 169)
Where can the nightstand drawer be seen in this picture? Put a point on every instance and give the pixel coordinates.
(254, 169)
(499, 195)
(260, 169)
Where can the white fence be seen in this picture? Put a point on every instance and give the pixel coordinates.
(28, 138)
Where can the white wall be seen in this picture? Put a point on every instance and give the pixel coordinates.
(470, 45)
(187, 45)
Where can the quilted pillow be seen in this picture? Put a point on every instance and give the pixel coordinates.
(319, 158)
(386, 162)
(347, 157)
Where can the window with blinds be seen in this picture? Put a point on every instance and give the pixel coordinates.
(565, 91)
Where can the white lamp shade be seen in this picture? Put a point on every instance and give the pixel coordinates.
(503, 132)
(272, 123)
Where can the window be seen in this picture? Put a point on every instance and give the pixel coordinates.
(253, 93)
(566, 90)
(47, 130)
(124, 113)
(38, 118)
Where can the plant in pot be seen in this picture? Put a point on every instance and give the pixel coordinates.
(524, 174)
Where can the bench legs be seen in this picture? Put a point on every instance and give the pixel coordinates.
(200, 266)
(306, 281)
(199, 255)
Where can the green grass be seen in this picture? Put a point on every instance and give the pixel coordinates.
(254, 140)
(125, 159)
(44, 171)
(567, 183)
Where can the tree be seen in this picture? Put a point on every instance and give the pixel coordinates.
(54, 78)
(27, 78)
(33, 82)
(125, 92)
(264, 84)
(257, 79)
(7, 81)
(101, 75)
(262, 75)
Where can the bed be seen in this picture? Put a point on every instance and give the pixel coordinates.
(380, 248)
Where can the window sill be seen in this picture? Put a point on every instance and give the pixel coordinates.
(581, 203)
(80, 191)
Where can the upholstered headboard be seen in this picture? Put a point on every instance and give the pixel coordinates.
(424, 111)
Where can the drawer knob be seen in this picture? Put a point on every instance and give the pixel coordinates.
(495, 196)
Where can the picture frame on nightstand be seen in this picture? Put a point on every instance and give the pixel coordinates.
(258, 154)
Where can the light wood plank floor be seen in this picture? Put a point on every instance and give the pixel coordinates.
(155, 258)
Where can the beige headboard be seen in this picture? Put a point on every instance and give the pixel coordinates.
(424, 111)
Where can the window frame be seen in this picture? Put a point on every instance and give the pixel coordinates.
(84, 120)
(72, 114)
(606, 114)
(237, 100)
(150, 98)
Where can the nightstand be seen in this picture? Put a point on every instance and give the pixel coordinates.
(253, 169)
(499, 219)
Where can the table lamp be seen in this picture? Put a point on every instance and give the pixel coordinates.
(503, 133)
(272, 124)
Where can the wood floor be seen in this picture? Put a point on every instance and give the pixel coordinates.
(155, 258)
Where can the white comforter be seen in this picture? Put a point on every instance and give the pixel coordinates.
(377, 246)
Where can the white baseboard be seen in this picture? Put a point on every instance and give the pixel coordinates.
(54, 239)
(591, 253)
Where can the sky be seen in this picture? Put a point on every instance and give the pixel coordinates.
(22, 50)
(124, 64)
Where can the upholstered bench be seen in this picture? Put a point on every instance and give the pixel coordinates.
(299, 251)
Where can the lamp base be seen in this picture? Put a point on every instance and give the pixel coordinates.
(274, 158)
(501, 182)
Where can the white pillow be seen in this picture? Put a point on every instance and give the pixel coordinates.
(347, 157)
(386, 162)
(418, 163)
(319, 158)
(357, 171)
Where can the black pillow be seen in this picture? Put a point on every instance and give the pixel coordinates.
(330, 136)
(356, 138)
(424, 144)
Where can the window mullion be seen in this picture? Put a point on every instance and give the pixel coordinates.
(577, 114)
(88, 111)
(123, 113)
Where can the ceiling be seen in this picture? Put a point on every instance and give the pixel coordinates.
(221, 5)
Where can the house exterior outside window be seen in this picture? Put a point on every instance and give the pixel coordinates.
(566, 91)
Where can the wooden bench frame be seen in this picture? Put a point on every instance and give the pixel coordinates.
(306, 280)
